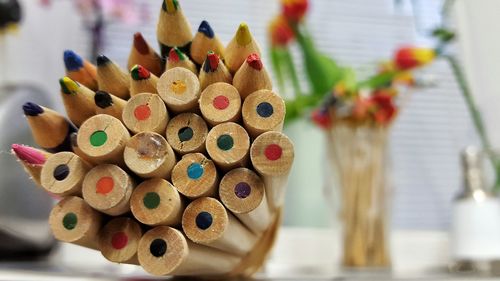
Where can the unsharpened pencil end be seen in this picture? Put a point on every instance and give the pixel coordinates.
(206, 29)
(211, 62)
(140, 44)
(68, 86)
(254, 61)
(243, 36)
(28, 154)
(138, 72)
(102, 60)
(170, 6)
(72, 61)
(103, 99)
(176, 55)
(32, 109)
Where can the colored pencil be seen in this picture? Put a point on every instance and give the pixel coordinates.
(220, 102)
(263, 111)
(204, 41)
(119, 240)
(142, 54)
(242, 192)
(176, 58)
(272, 157)
(72, 220)
(205, 221)
(102, 138)
(240, 47)
(149, 155)
(180, 89)
(164, 250)
(107, 188)
(32, 160)
(49, 129)
(109, 104)
(186, 133)
(63, 173)
(78, 101)
(173, 28)
(157, 202)
(77, 150)
(146, 112)
(80, 70)
(213, 70)
(111, 78)
(195, 176)
(251, 77)
(228, 145)
(142, 81)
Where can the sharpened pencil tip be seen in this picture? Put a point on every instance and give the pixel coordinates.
(102, 60)
(176, 55)
(68, 86)
(140, 44)
(170, 6)
(254, 61)
(243, 36)
(28, 154)
(211, 62)
(138, 72)
(103, 99)
(72, 61)
(206, 29)
(32, 109)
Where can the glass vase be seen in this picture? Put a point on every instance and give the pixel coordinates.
(357, 153)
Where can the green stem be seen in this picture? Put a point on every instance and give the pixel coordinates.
(292, 72)
(476, 115)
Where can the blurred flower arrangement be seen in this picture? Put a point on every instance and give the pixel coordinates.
(356, 118)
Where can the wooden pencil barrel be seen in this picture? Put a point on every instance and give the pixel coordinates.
(220, 102)
(186, 133)
(102, 138)
(106, 103)
(228, 145)
(157, 202)
(63, 173)
(180, 89)
(119, 240)
(263, 111)
(242, 191)
(272, 156)
(72, 220)
(205, 221)
(142, 81)
(145, 112)
(107, 188)
(176, 58)
(251, 77)
(195, 176)
(165, 250)
(111, 78)
(149, 155)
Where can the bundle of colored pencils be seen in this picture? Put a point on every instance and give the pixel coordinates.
(178, 165)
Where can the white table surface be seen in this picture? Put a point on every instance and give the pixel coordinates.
(300, 254)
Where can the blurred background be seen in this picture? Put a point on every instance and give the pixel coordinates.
(433, 127)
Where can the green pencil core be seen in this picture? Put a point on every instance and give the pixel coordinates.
(98, 138)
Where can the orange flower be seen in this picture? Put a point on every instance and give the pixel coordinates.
(294, 10)
(362, 108)
(280, 31)
(411, 57)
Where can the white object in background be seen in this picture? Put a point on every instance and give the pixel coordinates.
(476, 229)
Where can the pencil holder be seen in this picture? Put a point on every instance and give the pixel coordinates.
(357, 153)
(179, 173)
